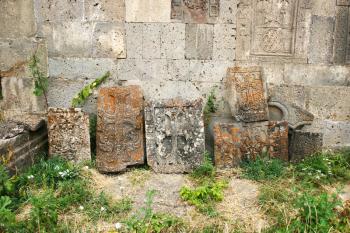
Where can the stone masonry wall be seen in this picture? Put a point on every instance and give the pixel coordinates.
(182, 48)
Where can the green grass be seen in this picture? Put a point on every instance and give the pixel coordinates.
(208, 189)
(297, 201)
(263, 168)
(49, 189)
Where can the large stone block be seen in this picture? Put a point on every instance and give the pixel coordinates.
(174, 135)
(151, 37)
(109, 40)
(247, 97)
(330, 103)
(341, 32)
(173, 41)
(105, 10)
(321, 39)
(69, 134)
(59, 10)
(336, 134)
(343, 3)
(17, 18)
(224, 42)
(295, 94)
(120, 129)
(71, 39)
(147, 10)
(235, 141)
(194, 11)
(303, 144)
(133, 40)
(199, 41)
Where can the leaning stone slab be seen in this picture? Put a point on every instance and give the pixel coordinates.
(174, 135)
(235, 141)
(69, 134)
(120, 128)
(303, 144)
(247, 98)
(293, 114)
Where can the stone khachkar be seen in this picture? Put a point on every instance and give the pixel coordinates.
(195, 11)
(304, 143)
(69, 136)
(120, 128)
(174, 135)
(235, 141)
(247, 98)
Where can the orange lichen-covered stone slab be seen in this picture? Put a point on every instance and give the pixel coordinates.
(120, 133)
(247, 97)
(69, 136)
(235, 141)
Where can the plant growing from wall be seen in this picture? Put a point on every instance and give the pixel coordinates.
(211, 105)
(82, 96)
(40, 80)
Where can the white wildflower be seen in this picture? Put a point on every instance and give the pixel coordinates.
(318, 177)
(103, 209)
(81, 207)
(30, 177)
(118, 225)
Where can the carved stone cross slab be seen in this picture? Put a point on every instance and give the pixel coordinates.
(69, 134)
(174, 135)
(235, 141)
(247, 96)
(119, 134)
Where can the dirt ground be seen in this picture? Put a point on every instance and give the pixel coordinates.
(239, 205)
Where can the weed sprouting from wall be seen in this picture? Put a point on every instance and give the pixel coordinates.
(40, 80)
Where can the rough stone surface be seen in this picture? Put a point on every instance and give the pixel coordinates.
(69, 134)
(120, 129)
(321, 39)
(105, 10)
(224, 42)
(304, 143)
(147, 10)
(19, 146)
(247, 97)
(235, 141)
(174, 135)
(194, 11)
(109, 40)
(17, 18)
(199, 41)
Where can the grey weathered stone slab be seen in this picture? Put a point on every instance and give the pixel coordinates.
(295, 94)
(105, 10)
(224, 42)
(174, 135)
(321, 39)
(341, 34)
(69, 135)
(147, 10)
(336, 134)
(199, 41)
(304, 144)
(109, 40)
(246, 94)
(17, 18)
(293, 114)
